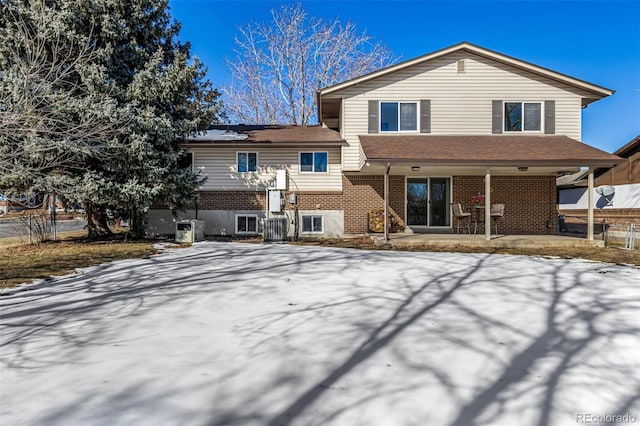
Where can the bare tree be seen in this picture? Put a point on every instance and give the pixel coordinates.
(280, 65)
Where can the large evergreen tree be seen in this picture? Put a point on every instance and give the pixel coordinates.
(133, 76)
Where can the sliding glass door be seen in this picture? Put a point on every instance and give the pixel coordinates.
(417, 201)
(428, 202)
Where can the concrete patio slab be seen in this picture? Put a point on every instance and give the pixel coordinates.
(497, 241)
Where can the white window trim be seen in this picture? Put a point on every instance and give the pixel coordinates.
(417, 103)
(321, 216)
(504, 103)
(248, 152)
(313, 163)
(238, 216)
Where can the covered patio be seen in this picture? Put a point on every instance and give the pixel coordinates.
(523, 169)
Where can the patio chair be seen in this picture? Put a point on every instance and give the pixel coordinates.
(461, 216)
(497, 212)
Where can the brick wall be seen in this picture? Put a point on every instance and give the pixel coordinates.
(318, 200)
(617, 220)
(365, 193)
(612, 216)
(232, 200)
(530, 201)
(251, 200)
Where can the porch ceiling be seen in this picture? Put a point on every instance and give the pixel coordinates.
(484, 150)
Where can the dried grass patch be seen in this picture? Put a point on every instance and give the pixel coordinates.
(613, 255)
(23, 263)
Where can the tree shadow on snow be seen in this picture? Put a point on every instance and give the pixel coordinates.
(541, 373)
(579, 319)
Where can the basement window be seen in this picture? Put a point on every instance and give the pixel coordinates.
(312, 224)
(246, 224)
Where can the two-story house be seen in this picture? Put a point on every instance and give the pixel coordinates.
(412, 138)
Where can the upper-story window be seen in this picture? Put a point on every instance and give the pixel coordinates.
(314, 162)
(247, 162)
(522, 116)
(185, 160)
(398, 116)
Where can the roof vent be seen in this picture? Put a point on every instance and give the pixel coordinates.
(461, 68)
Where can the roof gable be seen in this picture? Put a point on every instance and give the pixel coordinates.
(597, 91)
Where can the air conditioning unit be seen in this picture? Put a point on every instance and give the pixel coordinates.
(275, 229)
(189, 231)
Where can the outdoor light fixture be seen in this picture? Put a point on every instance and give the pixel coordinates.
(523, 169)
(415, 168)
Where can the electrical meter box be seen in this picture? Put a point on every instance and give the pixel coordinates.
(281, 180)
(275, 205)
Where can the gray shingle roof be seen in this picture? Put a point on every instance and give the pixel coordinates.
(485, 150)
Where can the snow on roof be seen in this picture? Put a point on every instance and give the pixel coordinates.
(218, 135)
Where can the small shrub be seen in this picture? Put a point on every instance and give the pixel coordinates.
(34, 228)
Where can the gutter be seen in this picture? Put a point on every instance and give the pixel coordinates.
(497, 163)
(341, 142)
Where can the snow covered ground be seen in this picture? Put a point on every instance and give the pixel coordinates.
(241, 334)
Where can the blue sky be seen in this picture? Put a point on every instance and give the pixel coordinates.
(591, 40)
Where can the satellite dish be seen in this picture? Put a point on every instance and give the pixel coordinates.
(605, 190)
(607, 193)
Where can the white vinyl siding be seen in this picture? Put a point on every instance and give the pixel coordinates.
(218, 164)
(460, 102)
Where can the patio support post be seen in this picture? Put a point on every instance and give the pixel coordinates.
(487, 203)
(386, 202)
(590, 206)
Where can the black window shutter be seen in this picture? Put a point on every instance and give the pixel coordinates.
(496, 121)
(373, 117)
(425, 116)
(550, 117)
